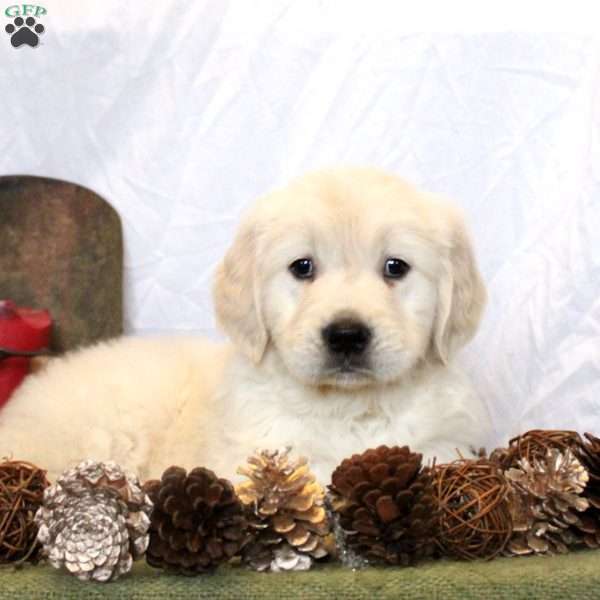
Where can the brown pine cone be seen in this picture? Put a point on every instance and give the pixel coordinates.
(589, 455)
(286, 514)
(197, 522)
(386, 507)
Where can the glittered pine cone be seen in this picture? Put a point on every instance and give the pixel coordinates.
(548, 505)
(22, 488)
(94, 521)
(385, 504)
(197, 522)
(286, 514)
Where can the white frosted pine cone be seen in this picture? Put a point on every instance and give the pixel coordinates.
(548, 504)
(94, 521)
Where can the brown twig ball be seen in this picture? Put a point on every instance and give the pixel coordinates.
(475, 519)
(534, 444)
(22, 488)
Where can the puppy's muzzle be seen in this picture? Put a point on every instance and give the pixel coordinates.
(347, 338)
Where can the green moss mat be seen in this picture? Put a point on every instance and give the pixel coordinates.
(575, 576)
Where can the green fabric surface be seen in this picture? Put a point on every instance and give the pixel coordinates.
(573, 577)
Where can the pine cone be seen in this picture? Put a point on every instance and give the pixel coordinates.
(386, 507)
(285, 511)
(197, 522)
(547, 503)
(94, 521)
(589, 455)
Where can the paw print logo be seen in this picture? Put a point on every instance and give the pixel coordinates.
(24, 32)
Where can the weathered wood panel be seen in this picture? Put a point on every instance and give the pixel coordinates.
(61, 248)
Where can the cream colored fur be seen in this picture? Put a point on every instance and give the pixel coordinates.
(150, 403)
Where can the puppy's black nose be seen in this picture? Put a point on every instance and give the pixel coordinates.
(347, 337)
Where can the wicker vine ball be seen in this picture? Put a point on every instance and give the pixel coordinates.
(22, 488)
(475, 518)
(197, 522)
(534, 445)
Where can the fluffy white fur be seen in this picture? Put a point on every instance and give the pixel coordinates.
(150, 403)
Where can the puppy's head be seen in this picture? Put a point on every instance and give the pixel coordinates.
(352, 277)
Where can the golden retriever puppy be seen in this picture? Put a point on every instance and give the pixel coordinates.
(345, 296)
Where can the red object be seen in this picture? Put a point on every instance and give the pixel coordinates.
(21, 330)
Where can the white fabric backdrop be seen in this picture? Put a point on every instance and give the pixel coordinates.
(182, 113)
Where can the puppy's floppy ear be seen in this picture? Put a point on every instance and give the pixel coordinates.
(236, 295)
(461, 294)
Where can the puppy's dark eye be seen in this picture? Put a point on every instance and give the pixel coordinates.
(303, 268)
(395, 268)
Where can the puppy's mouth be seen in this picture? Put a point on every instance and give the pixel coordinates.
(347, 371)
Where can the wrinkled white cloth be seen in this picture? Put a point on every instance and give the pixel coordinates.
(180, 114)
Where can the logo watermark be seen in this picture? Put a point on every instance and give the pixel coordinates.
(24, 29)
